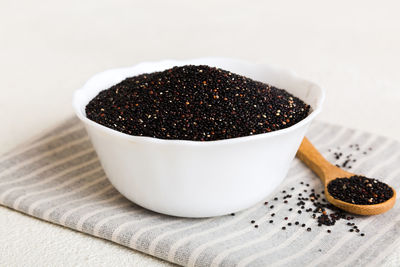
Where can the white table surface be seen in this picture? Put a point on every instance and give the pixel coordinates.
(49, 48)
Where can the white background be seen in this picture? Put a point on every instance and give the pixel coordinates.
(49, 48)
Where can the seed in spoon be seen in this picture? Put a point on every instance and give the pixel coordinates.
(360, 190)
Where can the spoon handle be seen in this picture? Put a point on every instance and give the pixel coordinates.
(315, 161)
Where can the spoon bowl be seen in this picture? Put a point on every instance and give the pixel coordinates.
(328, 172)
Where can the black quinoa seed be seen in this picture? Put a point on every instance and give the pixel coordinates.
(308, 229)
(283, 228)
(198, 103)
(360, 190)
(256, 226)
(253, 221)
(271, 221)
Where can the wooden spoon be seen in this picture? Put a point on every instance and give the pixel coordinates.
(328, 172)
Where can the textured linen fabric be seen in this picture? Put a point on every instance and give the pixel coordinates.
(58, 178)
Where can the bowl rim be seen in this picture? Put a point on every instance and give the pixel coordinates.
(147, 139)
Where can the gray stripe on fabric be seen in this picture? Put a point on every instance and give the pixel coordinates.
(69, 123)
(64, 181)
(87, 185)
(35, 140)
(74, 218)
(107, 226)
(43, 162)
(63, 140)
(59, 211)
(89, 223)
(48, 173)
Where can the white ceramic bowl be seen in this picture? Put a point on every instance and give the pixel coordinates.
(192, 178)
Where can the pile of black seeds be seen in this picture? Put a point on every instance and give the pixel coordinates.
(357, 189)
(304, 202)
(197, 103)
(360, 190)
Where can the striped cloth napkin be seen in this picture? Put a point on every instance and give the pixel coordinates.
(58, 178)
